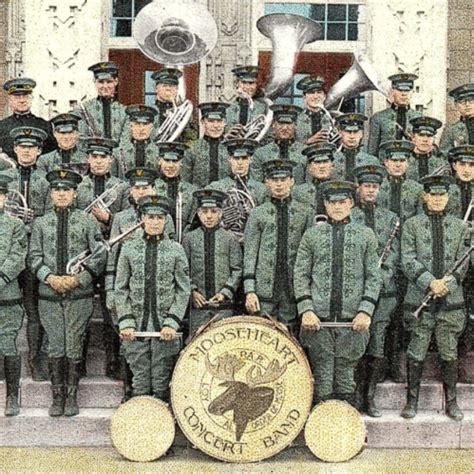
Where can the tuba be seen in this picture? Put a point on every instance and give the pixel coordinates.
(175, 33)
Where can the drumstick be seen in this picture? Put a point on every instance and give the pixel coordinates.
(156, 334)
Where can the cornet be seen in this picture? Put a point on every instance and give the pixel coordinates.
(105, 200)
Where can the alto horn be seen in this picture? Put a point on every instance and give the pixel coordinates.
(361, 77)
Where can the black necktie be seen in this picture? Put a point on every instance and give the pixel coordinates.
(315, 121)
(107, 117)
(140, 153)
(99, 185)
(243, 111)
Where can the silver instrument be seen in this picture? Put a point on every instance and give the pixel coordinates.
(78, 264)
(175, 122)
(468, 210)
(16, 206)
(93, 131)
(179, 217)
(155, 334)
(320, 219)
(388, 246)
(105, 200)
(442, 170)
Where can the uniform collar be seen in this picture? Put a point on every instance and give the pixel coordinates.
(105, 99)
(146, 141)
(343, 222)
(396, 179)
(152, 238)
(400, 107)
(19, 115)
(213, 140)
(284, 142)
(281, 201)
(367, 205)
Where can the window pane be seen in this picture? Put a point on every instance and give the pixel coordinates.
(317, 12)
(122, 8)
(337, 13)
(295, 8)
(336, 31)
(121, 27)
(139, 4)
(353, 12)
(353, 32)
(150, 99)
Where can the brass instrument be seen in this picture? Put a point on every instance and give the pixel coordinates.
(78, 264)
(176, 120)
(16, 206)
(105, 200)
(89, 121)
(388, 245)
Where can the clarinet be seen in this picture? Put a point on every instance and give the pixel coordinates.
(388, 245)
(89, 121)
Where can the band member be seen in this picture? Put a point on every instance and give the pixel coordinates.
(332, 285)
(402, 196)
(19, 93)
(462, 131)
(431, 243)
(272, 235)
(139, 150)
(206, 160)
(13, 248)
(66, 133)
(240, 152)
(349, 155)
(65, 302)
(284, 145)
(313, 124)
(384, 223)
(155, 303)
(319, 169)
(103, 116)
(33, 186)
(425, 157)
(215, 262)
(248, 104)
(393, 123)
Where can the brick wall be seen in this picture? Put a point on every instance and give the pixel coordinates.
(3, 65)
(460, 47)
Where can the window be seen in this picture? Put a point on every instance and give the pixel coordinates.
(123, 13)
(340, 21)
(149, 92)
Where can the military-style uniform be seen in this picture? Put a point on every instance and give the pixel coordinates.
(62, 123)
(23, 86)
(57, 237)
(215, 263)
(394, 122)
(336, 277)
(102, 116)
(13, 248)
(462, 131)
(431, 243)
(152, 290)
(272, 235)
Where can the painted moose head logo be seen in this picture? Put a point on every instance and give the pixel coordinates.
(248, 400)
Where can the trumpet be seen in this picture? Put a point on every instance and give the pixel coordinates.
(105, 200)
(16, 206)
(79, 263)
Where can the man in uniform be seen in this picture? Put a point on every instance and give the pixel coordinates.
(13, 248)
(66, 133)
(28, 180)
(462, 131)
(431, 243)
(19, 92)
(272, 235)
(103, 116)
(206, 161)
(284, 145)
(215, 262)
(425, 157)
(385, 225)
(65, 301)
(403, 197)
(152, 291)
(337, 280)
(350, 154)
(393, 122)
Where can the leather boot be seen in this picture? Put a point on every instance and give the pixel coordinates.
(72, 382)
(127, 376)
(415, 371)
(85, 350)
(12, 379)
(374, 368)
(57, 369)
(112, 351)
(360, 376)
(36, 358)
(449, 374)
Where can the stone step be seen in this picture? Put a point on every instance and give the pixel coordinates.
(33, 427)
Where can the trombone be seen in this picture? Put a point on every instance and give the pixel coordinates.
(105, 200)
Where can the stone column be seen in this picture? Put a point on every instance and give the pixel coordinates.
(3, 56)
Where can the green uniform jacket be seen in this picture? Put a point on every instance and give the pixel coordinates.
(94, 111)
(358, 285)
(260, 246)
(409, 203)
(345, 162)
(233, 112)
(382, 127)
(256, 189)
(460, 195)
(420, 166)
(382, 222)
(54, 160)
(172, 283)
(196, 163)
(13, 249)
(303, 126)
(138, 153)
(454, 134)
(272, 152)
(51, 249)
(428, 254)
(215, 261)
(308, 194)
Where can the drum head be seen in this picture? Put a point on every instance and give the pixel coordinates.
(242, 389)
(335, 431)
(142, 429)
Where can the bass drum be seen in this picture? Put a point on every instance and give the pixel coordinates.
(242, 389)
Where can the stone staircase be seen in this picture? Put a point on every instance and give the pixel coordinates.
(99, 396)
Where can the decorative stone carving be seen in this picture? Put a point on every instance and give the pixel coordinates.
(15, 38)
